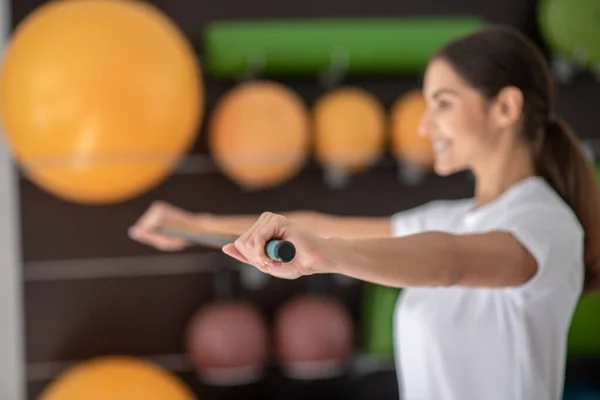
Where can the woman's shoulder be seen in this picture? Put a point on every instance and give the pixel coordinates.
(539, 197)
(538, 207)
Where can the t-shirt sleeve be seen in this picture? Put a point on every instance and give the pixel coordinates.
(427, 217)
(553, 237)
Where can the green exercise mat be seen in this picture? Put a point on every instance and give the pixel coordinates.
(377, 321)
(357, 46)
(571, 29)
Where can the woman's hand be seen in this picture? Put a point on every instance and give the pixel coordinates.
(161, 214)
(249, 248)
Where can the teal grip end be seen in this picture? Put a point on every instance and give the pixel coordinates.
(280, 250)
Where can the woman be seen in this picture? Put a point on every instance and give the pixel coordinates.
(491, 282)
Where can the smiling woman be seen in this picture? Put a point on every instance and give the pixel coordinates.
(491, 281)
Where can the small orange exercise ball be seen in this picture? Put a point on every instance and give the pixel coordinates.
(99, 98)
(259, 134)
(407, 143)
(117, 378)
(228, 343)
(349, 128)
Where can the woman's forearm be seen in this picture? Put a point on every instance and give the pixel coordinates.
(424, 259)
(236, 224)
(320, 224)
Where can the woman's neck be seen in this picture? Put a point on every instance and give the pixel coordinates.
(501, 173)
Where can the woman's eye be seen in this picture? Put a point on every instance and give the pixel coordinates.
(443, 104)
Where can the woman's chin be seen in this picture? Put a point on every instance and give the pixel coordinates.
(445, 169)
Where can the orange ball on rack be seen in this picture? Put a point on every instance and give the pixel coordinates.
(406, 142)
(349, 128)
(99, 98)
(259, 134)
(117, 378)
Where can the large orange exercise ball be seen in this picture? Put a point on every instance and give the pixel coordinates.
(349, 129)
(117, 378)
(259, 134)
(99, 98)
(228, 343)
(407, 143)
(314, 336)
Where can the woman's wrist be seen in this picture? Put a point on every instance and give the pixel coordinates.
(334, 253)
(204, 221)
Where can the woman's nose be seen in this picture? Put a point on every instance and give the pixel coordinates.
(425, 125)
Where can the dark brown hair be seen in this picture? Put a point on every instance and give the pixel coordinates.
(498, 56)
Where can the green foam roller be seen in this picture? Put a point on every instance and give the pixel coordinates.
(584, 334)
(357, 46)
(571, 29)
(377, 321)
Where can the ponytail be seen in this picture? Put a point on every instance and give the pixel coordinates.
(563, 163)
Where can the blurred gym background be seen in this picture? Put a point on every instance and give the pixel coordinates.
(321, 98)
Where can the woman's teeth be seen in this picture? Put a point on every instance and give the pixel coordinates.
(440, 145)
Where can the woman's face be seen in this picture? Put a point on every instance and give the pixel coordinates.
(456, 120)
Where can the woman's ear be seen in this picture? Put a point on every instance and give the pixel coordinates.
(508, 107)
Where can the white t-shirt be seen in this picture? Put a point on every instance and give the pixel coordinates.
(461, 343)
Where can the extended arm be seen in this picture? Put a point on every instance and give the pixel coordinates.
(494, 259)
(526, 241)
(320, 224)
(161, 214)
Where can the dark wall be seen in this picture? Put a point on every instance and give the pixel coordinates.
(89, 290)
